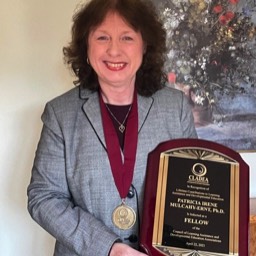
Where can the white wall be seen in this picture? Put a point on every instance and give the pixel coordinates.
(32, 34)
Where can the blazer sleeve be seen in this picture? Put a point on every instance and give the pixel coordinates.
(50, 202)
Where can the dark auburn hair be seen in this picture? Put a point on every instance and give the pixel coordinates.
(142, 17)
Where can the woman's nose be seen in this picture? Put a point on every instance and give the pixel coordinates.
(114, 48)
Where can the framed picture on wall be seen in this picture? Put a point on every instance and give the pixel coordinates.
(212, 58)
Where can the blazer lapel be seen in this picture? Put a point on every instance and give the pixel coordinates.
(144, 106)
(91, 109)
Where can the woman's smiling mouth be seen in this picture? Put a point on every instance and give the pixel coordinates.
(115, 66)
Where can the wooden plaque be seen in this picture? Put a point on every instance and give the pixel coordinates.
(196, 200)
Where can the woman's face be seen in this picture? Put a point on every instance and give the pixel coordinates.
(115, 51)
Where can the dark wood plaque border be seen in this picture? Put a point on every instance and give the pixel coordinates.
(146, 232)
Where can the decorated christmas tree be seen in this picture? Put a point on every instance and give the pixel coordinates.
(211, 47)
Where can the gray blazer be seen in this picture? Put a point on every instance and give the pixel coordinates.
(72, 193)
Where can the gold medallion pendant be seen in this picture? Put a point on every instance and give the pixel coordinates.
(123, 217)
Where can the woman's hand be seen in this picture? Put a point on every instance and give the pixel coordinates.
(119, 249)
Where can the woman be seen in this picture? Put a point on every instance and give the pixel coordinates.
(88, 175)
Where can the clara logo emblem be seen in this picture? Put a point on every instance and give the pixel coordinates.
(198, 175)
(199, 169)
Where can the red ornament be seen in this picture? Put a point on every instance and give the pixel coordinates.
(172, 78)
(233, 1)
(217, 8)
(229, 15)
(226, 18)
(223, 20)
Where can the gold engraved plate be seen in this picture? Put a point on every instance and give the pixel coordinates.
(123, 217)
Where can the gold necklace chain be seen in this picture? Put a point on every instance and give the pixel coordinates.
(121, 127)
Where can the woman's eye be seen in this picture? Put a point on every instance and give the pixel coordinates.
(127, 38)
(102, 38)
